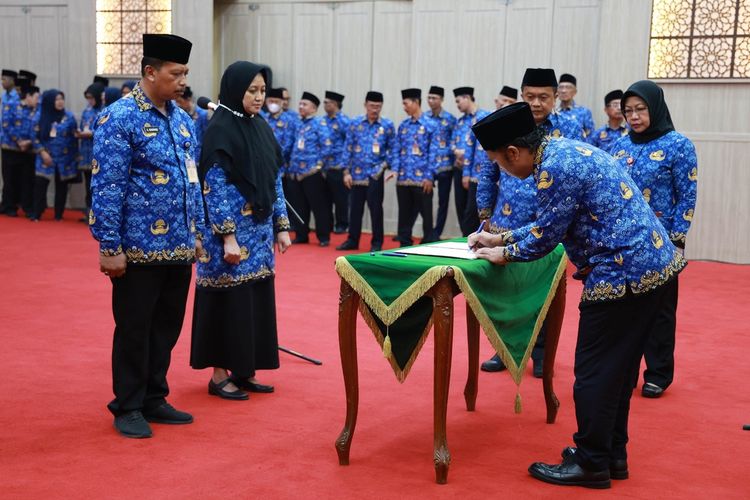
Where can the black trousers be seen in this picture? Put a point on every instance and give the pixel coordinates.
(444, 182)
(413, 201)
(306, 195)
(470, 218)
(373, 195)
(460, 196)
(18, 181)
(40, 196)
(659, 352)
(148, 304)
(87, 184)
(339, 196)
(611, 338)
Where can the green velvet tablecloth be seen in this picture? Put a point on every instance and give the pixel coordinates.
(509, 301)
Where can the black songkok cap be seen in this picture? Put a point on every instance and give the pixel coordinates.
(30, 89)
(187, 93)
(504, 125)
(539, 77)
(310, 97)
(615, 94)
(334, 96)
(170, 48)
(22, 81)
(28, 74)
(275, 93)
(568, 78)
(509, 92)
(411, 94)
(10, 73)
(101, 79)
(437, 91)
(463, 91)
(373, 96)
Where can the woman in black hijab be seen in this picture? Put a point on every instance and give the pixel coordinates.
(663, 164)
(234, 317)
(93, 96)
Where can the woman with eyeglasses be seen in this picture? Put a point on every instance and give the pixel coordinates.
(663, 164)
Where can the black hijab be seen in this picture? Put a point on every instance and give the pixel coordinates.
(661, 121)
(111, 94)
(95, 90)
(243, 145)
(49, 113)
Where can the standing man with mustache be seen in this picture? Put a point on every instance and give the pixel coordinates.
(146, 213)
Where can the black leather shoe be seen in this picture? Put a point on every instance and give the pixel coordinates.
(569, 473)
(133, 425)
(298, 240)
(340, 229)
(651, 390)
(348, 245)
(167, 414)
(244, 383)
(494, 364)
(376, 248)
(324, 243)
(618, 467)
(218, 390)
(538, 368)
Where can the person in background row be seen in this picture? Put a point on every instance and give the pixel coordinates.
(103, 80)
(199, 116)
(285, 99)
(110, 95)
(234, 317)
(664, 166)
(305, 183)
(444, 123)
(370, 149)
(337, 124)
(566, 91)
(85, 133)
(128, 87)
(604, 137)
(30, 75)
(57, 153)
(507, 95)
(10, 102)
(24, 133)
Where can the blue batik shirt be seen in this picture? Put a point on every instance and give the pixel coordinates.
(200, 124)
(229, 213)
(28, 130)
(337, 126)
(62, 146)
(583, 116)
(445, 122)
(559, 125)
(86, 149)
(146, 201)
(508, 202)
(463, 140)
(311, 145)
(604, 137)
(666, 172)
(10, 103)
(417, 151)
(370, 148)
(588, 202)
(284, 127)
(479, 158)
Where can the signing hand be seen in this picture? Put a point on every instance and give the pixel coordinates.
(113, 265)
(283, 241)
(482, 240)
(496, 255)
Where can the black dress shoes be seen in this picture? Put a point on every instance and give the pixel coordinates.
(340, 229)
(324, 243)
(376, 248)
(651, 390)
(569, 473)
(348, 245)
(133, 425)
(245, 384)
(218, 390)
(618, 467)
(167, 414)
(298, 240)
(494, 364)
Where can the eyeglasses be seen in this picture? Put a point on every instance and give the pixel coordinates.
(639, 110)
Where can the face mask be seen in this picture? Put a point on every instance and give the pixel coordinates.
(274, 108)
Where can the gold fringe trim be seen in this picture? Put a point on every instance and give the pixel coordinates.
(515, 370)
(388, 314)
(375, 328)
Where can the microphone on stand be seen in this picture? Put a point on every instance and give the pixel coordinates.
(205, 103)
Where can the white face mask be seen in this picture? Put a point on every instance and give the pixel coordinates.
(274, 108)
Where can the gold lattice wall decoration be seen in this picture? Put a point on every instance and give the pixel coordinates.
(700, 39)
(119, 26)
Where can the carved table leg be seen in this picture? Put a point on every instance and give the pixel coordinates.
(555, 316)
(472, 382)
(443, 321)
(348, 303)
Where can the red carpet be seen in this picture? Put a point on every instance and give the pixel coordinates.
(57, 439)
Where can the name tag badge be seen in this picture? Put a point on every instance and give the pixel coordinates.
(301, 144)
(376, 148)
(53, 130)
(192, 171)
(415, 149)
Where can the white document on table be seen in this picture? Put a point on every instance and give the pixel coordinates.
(450, 249)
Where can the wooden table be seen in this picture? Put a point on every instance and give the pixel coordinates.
(442, 294)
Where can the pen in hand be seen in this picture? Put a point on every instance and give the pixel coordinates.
(479, 230)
